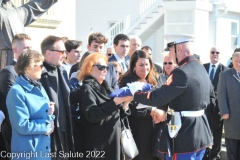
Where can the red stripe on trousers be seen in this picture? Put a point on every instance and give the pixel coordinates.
(174, 156)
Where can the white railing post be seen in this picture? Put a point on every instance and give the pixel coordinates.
(132, 19)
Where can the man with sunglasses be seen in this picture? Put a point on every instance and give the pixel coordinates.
(186, 92)
(8, 76)
(110, 52)
(55, 81)
(214, 68)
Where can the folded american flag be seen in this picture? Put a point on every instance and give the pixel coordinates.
(131, 88)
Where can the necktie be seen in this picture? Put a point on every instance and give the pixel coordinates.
(212, 72)
(238, 73)
(124, 67)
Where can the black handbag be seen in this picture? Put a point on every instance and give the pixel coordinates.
(129, 147)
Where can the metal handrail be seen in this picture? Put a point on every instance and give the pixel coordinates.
(132, 19)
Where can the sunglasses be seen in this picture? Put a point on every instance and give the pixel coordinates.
(213, 52)
(60, 51)
(110, 54)
(165, 63)
(101, 67)
(40, 65)
(119, 73)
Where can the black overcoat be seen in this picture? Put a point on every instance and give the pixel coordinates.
(100, 120)
(50, 84)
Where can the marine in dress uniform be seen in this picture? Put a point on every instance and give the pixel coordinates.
(187, 91)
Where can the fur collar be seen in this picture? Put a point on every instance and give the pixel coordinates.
(102, 89)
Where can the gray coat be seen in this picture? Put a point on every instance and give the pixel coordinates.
(229, 102)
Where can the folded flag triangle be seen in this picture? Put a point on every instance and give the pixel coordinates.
(131, 88)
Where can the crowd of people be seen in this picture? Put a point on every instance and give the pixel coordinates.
(56, 104)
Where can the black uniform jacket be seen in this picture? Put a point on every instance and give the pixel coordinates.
(187, 89)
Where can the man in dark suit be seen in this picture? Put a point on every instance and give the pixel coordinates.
(228, 99)
(121, 46)
(148, 50)
(8, 76)
(55, 81)
(96, 43)
(214, 68)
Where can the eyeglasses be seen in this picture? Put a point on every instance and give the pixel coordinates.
(119, 73)
(39, 65)
(101, 67)
(213, 52)
(110, 54)
(60, 51)
(165, 63)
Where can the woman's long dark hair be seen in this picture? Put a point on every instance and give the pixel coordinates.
(152, 75)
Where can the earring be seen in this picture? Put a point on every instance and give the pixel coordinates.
(133, 71)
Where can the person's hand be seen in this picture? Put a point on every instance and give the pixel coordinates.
(225, 116)
(52, 128)
(119, 100)
(158, 115)
(51, 108)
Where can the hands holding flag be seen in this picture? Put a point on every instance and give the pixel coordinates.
(131, 88)
(128, 91)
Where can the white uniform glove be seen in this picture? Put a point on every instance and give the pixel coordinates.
(135, 86)
(140, 106)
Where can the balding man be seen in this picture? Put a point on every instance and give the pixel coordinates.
(214, 68)
(187, 93)
(135, 44)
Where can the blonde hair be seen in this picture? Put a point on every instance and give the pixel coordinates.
(88, 63)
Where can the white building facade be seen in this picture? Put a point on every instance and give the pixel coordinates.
(213, 22)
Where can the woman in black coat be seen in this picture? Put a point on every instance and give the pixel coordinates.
(99, 113)
(140, 120)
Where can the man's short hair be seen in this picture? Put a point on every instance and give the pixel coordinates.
(97, 37)
(48, 42)
(147, 48)
(20, 37)
(72, 44)
(119, 37)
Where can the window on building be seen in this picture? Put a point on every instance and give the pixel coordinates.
(234, 33)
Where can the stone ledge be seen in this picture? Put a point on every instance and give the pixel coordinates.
(45, 23)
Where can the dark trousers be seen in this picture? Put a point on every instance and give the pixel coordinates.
(233, 149)
(3, 149)
(217, 127)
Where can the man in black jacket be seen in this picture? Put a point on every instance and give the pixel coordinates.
(8, 76)
(55, 81)
(214, 68)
